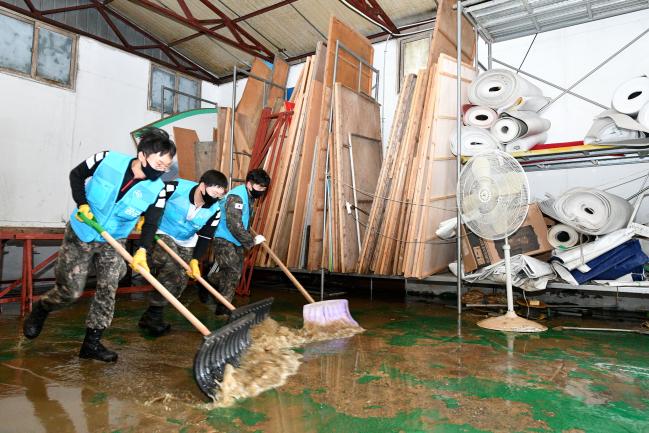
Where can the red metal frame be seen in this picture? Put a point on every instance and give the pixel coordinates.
(374, 11)
(29, 272)
(178, 61)
(220, 24)
(243, 40)
(268, 137)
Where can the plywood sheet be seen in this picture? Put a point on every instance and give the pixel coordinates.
(185, 140)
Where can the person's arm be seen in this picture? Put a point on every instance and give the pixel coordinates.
(233, 212)
(80, 173)
(205, 235)
(153, 215)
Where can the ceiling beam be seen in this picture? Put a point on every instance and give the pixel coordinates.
(242, 40)
(177, 61)
(372, 10)
(220, 24)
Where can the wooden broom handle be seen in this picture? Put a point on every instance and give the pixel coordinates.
(159, 287)
(285, 270)
(200, 279)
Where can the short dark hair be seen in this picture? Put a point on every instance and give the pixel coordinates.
(258, 176)
(156, 140)
(214, 178)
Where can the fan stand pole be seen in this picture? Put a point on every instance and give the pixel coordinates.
(510, 322)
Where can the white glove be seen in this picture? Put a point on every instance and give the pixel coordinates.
(259, 239)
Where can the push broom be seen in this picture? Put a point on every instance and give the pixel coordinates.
(261, 309)
(221, 347)
(316, 313)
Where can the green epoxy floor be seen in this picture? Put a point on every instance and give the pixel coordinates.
(414, 370)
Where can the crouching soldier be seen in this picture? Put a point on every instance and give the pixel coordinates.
(233, 237)
(188, 223)
(121, 188)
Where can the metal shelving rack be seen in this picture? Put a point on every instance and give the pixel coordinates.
(502, 20)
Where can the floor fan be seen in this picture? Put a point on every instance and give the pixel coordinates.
(493, 198)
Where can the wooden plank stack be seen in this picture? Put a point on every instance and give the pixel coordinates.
(417, 181)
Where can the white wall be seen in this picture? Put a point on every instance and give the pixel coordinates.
(565, 56)
(48, 130)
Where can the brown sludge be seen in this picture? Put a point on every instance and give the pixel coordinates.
(270, 360)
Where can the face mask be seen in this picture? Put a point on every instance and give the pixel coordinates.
(150, 172)
(256, 194)
(208, 199)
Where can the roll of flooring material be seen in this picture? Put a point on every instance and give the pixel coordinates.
(480, 117)
(631, 96)
(526, 143)
(519, 124)
(508, 129)
(474, 140)
(643, 116)
(499, 88)
(562, 236)
(589, 210)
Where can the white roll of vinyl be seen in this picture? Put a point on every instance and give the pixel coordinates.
(508, 129)
(524, 144)
(480, 117)
(631, 96)
(516, 125)
(643, 116)
(500, 88)
(562, 236)
(474, 140)
(589, 210)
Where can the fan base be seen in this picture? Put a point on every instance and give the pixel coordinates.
(510, 322)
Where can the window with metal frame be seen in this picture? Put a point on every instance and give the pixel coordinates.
(176, 100)
(413, 55)
(35, 50)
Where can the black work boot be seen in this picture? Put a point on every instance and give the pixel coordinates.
(221, 310)
(33, 324)
(153, 321)
(204, 296)
(93, 349)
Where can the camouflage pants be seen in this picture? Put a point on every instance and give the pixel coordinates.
(226, 271)
(168, 271)
(75, 257)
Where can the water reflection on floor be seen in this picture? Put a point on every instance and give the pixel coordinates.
(413, 370)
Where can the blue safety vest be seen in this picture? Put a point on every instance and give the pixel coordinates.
(174, 219)
(117, 218)
(222, 230)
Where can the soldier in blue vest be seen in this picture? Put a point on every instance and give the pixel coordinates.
(120, 189)
(188, 224)
(233, 237)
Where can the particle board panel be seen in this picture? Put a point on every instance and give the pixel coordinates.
(360, 116)
(445, 34)
(185, 140)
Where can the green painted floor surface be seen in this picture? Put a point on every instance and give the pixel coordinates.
(413, 370)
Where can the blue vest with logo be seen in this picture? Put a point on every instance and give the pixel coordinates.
(174, 219)
(222, 230)
(117, 218)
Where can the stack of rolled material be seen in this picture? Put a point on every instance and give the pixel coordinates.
(628, 121)
(506, 104)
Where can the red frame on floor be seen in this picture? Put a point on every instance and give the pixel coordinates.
(27, 279)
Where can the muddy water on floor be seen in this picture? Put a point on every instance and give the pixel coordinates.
(413, 370)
